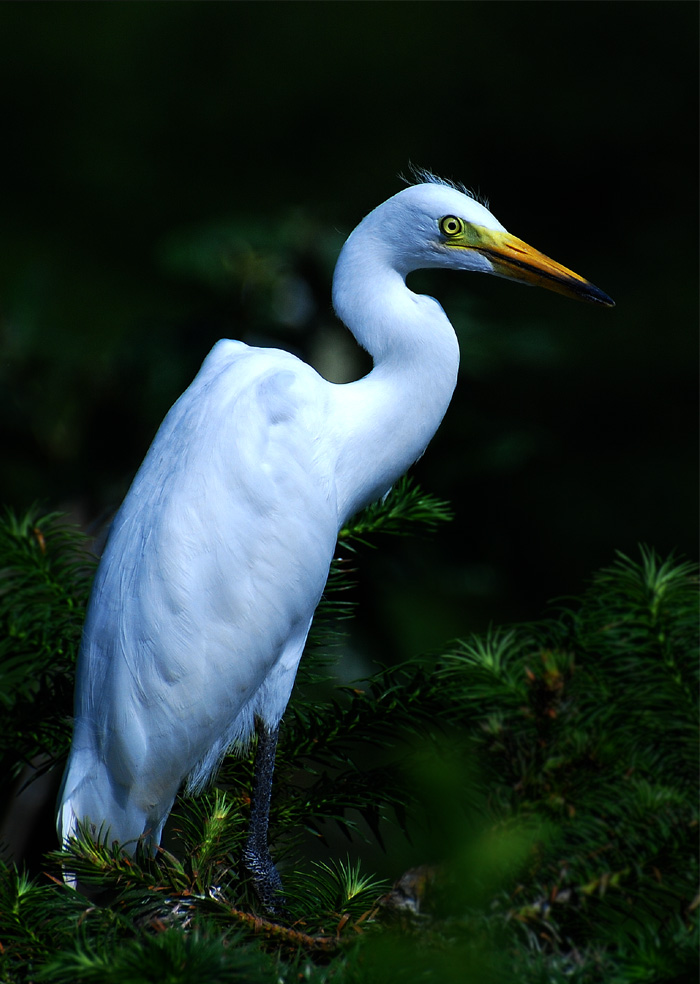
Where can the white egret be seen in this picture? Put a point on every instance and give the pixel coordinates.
(219, 554)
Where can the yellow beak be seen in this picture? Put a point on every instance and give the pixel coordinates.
(514, 259)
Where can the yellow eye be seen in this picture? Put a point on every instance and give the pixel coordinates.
(450, 226)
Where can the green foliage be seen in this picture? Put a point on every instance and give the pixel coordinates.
(590, 723)
(535, 790)
(406, 510)
(340, 888)
(406, 507)
(45, 576)
(168, 957)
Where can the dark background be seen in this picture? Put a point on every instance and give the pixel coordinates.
(175, 173)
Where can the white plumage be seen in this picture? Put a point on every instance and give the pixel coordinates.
(220, 552)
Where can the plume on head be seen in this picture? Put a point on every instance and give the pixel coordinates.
(421, 175)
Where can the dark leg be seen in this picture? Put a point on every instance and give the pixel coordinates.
(256, 856)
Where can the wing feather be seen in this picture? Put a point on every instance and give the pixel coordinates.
(212, 571)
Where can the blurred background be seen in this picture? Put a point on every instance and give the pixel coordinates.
(177, 173)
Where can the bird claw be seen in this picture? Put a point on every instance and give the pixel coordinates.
(265, 880)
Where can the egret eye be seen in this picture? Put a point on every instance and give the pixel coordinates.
(450, 225)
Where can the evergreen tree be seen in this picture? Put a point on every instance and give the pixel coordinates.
(534, 787)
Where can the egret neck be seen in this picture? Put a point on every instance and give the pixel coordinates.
(386, 420)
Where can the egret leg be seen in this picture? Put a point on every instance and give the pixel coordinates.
(256, 856)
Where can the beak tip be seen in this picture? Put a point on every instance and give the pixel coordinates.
(600, 297)
(605, 300)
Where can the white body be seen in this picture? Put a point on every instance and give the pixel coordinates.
(220, 552)
(217, 558)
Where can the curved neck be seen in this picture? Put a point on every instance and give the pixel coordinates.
(386, 420)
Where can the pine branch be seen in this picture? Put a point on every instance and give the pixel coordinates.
(405, 510)
(552, 766)
(45, 576)
(402, 512)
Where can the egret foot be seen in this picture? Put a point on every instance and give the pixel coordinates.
(265, 879)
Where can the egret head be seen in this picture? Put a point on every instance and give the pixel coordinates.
(433, 224)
